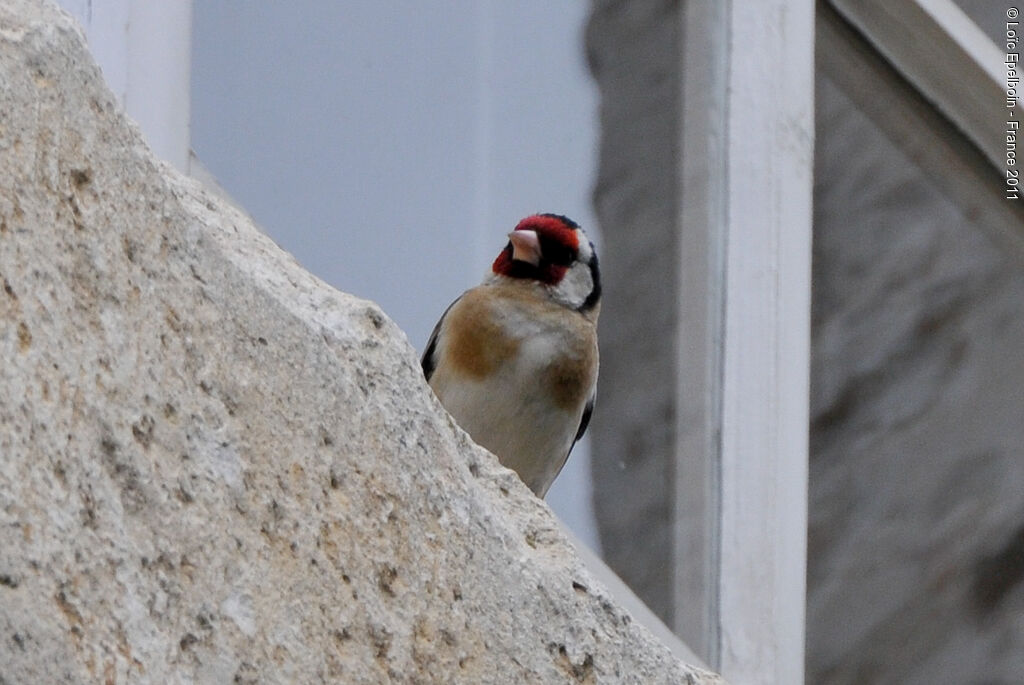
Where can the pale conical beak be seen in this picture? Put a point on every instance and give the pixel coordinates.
(525, 246)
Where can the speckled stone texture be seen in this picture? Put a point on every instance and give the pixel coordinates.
(214, 468)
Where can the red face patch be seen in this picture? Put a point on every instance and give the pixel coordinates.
(557, 229)
(559, 247)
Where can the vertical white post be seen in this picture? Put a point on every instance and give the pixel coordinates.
(144, 48)
(767, 340)
(744, 335)
(703, 227)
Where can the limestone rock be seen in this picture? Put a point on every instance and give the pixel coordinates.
(215, 468)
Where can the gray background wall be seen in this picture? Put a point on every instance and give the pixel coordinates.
(916, 547)
(634, 51)
(916, 530)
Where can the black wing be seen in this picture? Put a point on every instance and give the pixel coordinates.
(584, 422)
(429, 361)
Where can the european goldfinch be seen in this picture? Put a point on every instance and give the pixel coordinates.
(514, 360)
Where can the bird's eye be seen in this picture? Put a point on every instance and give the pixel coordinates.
(557, 253)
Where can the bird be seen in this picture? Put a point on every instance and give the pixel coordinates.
(514, 360)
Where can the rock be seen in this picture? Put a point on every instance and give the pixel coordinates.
(215, 468)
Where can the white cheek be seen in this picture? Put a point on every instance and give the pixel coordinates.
(585, 251)
(575, 287)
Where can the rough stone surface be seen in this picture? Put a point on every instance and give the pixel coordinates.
(916, 558)
(633, 49)
(215, 468)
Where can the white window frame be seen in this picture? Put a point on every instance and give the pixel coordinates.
(946, 57)
(944, 96)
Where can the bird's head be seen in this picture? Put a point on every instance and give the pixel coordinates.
(553, 250)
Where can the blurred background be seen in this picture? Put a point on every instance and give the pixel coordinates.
(391, 145)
